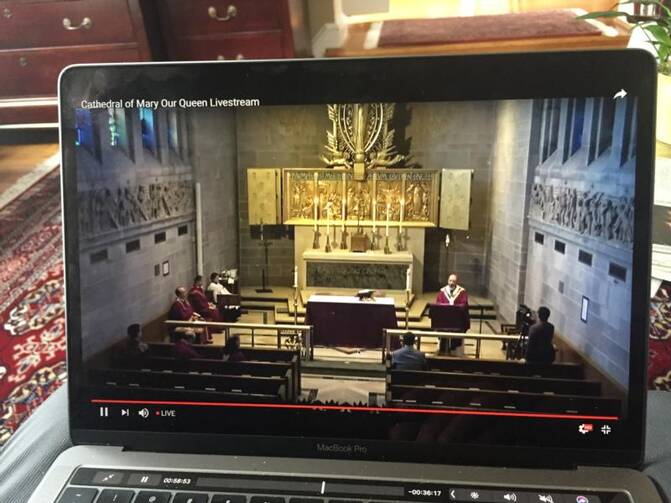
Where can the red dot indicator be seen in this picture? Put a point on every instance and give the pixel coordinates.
(158, 413)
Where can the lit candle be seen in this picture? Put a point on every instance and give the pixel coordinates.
(342, 203)
(408, 279)
(295, 276)
(386, 231)
(374, 202)
(315, 202)
(328, 218)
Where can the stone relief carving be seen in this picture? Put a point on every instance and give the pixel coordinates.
(108, 209)
(589, 213)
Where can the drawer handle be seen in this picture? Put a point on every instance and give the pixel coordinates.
(23, 61)
(221, 57)
(85, 24)
(231, 12)
(6, 13)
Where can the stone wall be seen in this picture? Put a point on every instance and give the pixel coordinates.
(508, 205)
(214, 159)
(456, 135)
(274, 137)
(119, 283)
(591, 230)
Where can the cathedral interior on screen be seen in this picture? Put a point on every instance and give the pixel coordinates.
(474, 255)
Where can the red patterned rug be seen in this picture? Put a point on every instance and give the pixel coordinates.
(32, 323)
(659, 365)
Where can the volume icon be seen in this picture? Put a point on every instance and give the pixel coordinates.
(144, 413)
(510, 497)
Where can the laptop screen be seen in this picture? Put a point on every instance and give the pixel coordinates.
(391, 259)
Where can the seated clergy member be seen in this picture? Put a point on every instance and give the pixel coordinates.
(181, 310)
(216, 287)
(199, 301)
(539, 339)
(227, 312)
(407, 357)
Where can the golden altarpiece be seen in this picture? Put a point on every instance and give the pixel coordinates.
(360, 219)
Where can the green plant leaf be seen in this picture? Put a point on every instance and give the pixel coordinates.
(659, 33)
(607, 13)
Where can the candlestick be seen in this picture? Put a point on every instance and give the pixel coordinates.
(343, 217)
(400, 219)
(374, 215)
(386, 231)
(295, 276)
(374, 200)
(407, 308)
(315, 238)
(408, 278)
(315, 201)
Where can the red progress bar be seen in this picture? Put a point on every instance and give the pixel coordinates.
(535, 415)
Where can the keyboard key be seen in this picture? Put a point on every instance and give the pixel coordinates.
(306, 500)
(266, 499)
(229, 498)
(190, 498)
(108, 478)
(115, 496)
(509, 497)
(545, 497)
(78, 495)
(152, 497)
(144, 479)
(581, 498)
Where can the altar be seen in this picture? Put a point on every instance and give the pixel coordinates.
(344, 269)
(344, 321)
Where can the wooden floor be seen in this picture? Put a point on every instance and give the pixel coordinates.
(17, 161)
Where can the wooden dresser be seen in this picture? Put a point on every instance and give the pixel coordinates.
(228, 29)
(38, 38)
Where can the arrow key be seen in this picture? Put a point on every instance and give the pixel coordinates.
(78, 495)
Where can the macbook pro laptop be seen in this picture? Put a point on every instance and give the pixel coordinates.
(522, 179)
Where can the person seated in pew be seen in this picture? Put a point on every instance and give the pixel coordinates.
(453, 294)
(134, 348)
(215, 288)
(181, 310)
(407, 357)
(182, 349)
(231, 351)
(198, 300)
(539, 339)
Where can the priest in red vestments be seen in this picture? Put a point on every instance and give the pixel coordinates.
(199, 301)
(454, 294)
(181, 310)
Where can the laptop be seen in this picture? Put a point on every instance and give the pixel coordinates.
(525, 178)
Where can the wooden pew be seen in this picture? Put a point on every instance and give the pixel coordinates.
(162, 394)
(246, 368)
(506, 367)
(274, 386)
(412, 396)
(494, 382)
(210, 351)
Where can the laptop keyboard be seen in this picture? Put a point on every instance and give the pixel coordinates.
(90, 485)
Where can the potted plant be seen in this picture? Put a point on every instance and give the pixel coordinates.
(653, 17)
